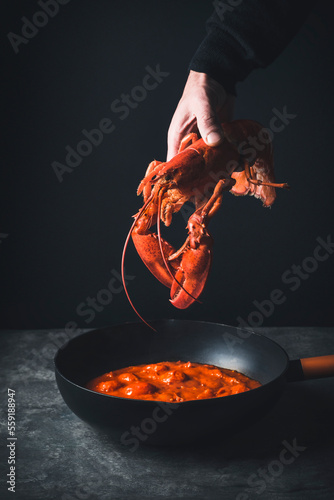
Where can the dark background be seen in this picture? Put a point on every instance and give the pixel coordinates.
(60, 241)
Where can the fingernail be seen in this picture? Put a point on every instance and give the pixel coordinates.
(214, 138)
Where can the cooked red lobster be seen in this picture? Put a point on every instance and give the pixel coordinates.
(242, 164)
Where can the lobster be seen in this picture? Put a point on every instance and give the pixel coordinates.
(200, 174)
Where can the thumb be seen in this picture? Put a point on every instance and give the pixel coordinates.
(209, 127)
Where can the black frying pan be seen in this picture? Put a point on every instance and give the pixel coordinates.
(133, 421)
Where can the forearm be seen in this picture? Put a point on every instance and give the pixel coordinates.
(247, 36)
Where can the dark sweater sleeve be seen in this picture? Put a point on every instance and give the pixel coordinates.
(246, 35)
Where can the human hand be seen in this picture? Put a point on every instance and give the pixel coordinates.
(203, 106)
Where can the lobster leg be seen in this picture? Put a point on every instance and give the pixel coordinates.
(260, 183)
(257, 182)
(251, 180)
(187, 141)
(147, 188)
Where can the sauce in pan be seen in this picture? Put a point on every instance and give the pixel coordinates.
(172, 382)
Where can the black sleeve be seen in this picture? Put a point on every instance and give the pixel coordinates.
(246, 34)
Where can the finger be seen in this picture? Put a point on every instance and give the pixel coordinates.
(173, 142)
(209, 126)
(177, 131)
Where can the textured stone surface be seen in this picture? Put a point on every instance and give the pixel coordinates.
(60, 457)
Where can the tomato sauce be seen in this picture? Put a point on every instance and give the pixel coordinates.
(172, 382)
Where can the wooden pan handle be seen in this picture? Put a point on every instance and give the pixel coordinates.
(309, 368)
(320, 366)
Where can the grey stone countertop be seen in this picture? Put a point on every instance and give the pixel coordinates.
(58, 456)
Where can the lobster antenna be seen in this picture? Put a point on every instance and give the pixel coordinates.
(162, 252)
(123, 259)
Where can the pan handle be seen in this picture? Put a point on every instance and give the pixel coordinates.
(308, 368)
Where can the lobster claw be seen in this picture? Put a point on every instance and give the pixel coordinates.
(187, 269)
(194, 267)
(147, 246)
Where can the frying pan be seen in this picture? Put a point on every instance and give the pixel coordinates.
(139, 421)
